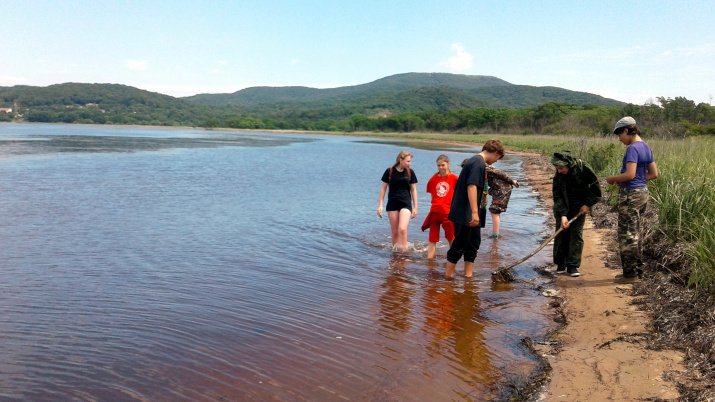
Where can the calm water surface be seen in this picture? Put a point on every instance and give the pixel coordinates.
(152, 264)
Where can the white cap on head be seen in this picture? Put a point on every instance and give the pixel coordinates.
(625, 122)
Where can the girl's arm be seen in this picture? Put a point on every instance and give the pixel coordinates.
(652, 172)
(628, 175)
(413, 190)
(382, 198)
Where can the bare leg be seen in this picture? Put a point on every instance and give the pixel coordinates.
(404, 221)
(468, 269)
(496, 222)
(450, 270)
(394, 217)
(431, 249)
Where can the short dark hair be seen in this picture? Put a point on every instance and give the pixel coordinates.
(631, 130)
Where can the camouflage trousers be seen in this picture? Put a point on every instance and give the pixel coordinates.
(568, 245)
(500, 200)
(631, 207)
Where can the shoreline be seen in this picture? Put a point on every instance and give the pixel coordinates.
(598, 351)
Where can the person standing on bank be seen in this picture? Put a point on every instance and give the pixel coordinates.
(401, 197)
(575, 191)
(638, 168)
(469, 207)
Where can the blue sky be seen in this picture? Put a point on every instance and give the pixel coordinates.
(632, 51)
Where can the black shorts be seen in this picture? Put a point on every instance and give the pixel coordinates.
(396, 205)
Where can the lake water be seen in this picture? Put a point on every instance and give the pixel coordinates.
(170, 264)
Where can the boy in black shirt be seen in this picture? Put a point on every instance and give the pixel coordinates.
(469, 207)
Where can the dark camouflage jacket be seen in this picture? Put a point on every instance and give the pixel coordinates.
(586, 180)
(499, 183)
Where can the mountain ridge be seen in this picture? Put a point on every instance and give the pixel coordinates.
(294, 105)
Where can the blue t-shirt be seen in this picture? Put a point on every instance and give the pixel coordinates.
(640, 153)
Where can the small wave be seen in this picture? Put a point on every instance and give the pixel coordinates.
(412, 248)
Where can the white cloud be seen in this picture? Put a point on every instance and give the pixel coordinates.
(294, 62)
(136, 65)
(461, 61)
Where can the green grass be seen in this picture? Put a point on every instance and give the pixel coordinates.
(685, 198)
(684, 192)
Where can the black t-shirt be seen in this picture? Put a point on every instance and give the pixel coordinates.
(399, 195)
(474, 172)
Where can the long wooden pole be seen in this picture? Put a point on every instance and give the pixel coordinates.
(500, 271)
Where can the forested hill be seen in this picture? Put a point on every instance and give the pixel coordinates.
(97, 103)
(483, 91)
(282, 107)
(108, 95)
(382, 87)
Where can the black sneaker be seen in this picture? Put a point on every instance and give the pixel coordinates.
(560, 269)
(573, 271)
(620, 278)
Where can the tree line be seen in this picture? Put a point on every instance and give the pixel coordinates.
(667, 118)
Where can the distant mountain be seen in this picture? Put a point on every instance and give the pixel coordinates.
(485, 91)
(282, 106)
(98, 103)
(389, 85)
(71, 93)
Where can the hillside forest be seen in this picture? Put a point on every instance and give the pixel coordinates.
(414, 102)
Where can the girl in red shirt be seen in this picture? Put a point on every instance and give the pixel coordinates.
(441, 186)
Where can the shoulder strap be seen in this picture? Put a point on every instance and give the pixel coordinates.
(409, 175)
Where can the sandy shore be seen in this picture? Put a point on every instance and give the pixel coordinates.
(596, 355)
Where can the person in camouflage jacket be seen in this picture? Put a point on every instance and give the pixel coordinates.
(500, 185)
(575, 191)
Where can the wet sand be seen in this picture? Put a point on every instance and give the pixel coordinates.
(597, 354)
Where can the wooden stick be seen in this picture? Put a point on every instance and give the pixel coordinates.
(501, 270)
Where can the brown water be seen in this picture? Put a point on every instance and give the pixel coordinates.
(143, 264)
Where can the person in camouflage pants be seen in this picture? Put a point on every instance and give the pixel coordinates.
(631, 206)
(638, 167)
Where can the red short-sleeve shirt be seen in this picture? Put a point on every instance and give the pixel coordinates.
(442, 189)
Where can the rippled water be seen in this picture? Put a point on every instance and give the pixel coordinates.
(152, 264)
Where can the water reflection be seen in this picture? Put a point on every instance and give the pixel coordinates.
(454, 320)
(396, 307)
(449, 316)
